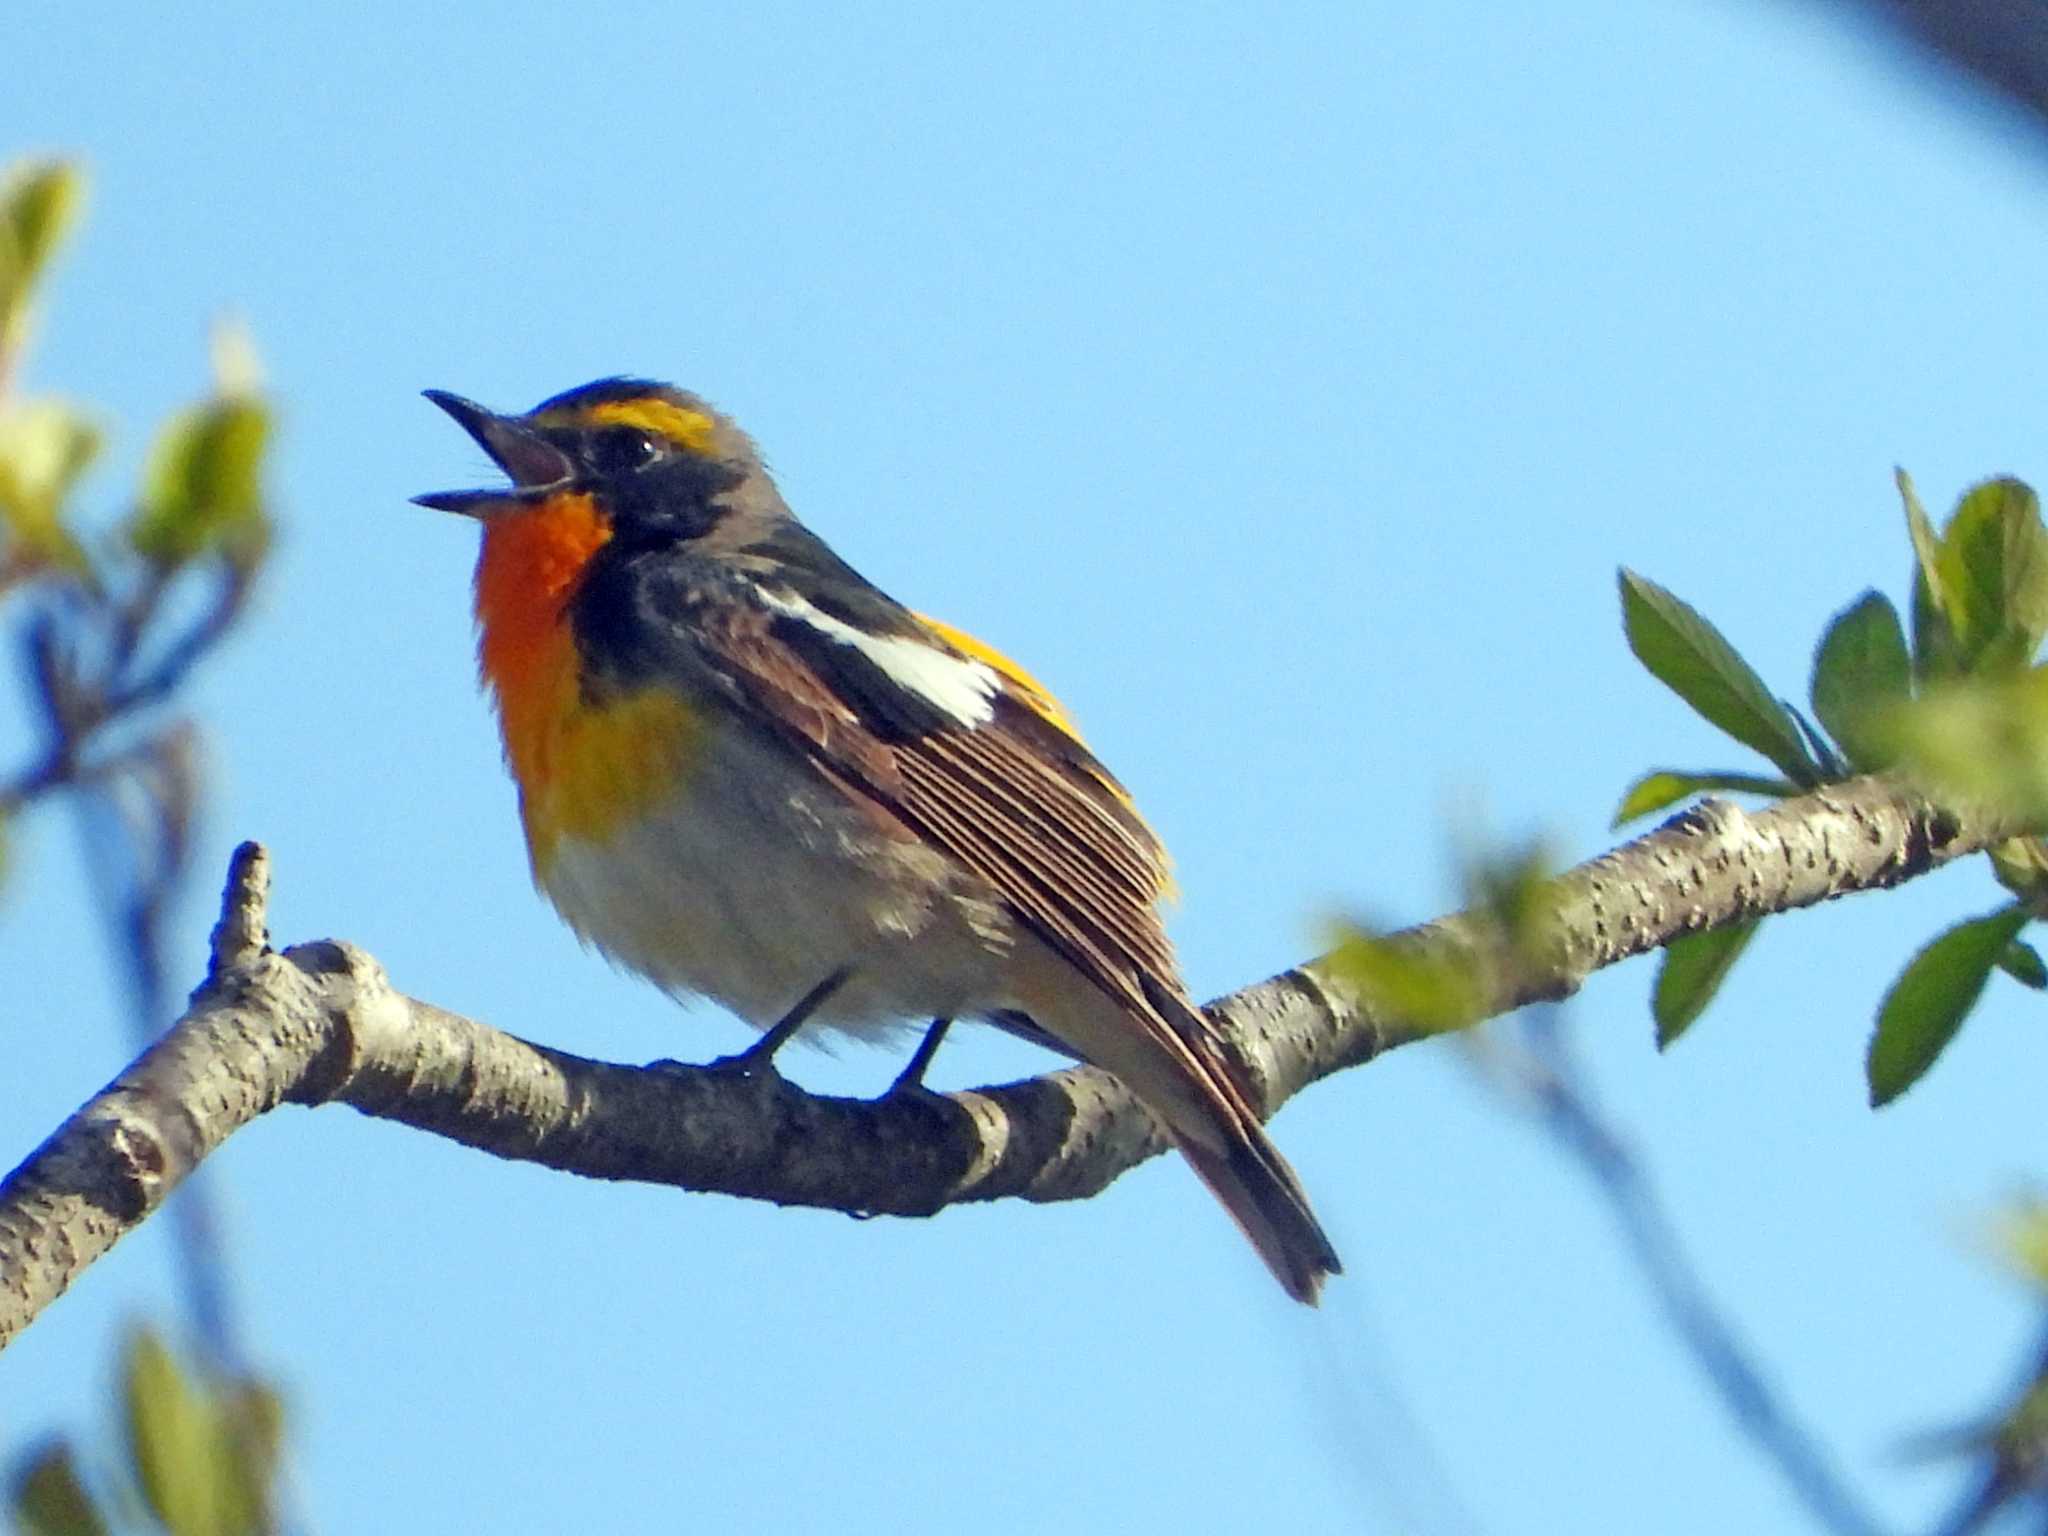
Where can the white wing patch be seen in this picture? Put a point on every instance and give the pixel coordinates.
(958, 686)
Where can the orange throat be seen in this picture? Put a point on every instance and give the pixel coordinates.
(526, 572)
(585, 768)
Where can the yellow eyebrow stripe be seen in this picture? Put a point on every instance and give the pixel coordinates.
(687, 429)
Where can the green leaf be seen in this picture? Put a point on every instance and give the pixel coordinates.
(1662, 787)
(1934, 643)
(2025, 571)
(44, 447)
(1691, 658)
(173, 1440)
(2019, 1235)
(1430, 992)
(203, 1453)
(2021, 865)
(1859, 671)
(254, 1417)
(202, 488)
(2022, 962)
(1982, 740)
(1512, 885)
(1994, 558)
(50, 1498)
(39, 202)
(1691, 972)
(1932, 997)
(1980, 592)
(1655, 790)
(1817, 746)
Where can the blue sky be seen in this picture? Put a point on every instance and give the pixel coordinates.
(1284, 391)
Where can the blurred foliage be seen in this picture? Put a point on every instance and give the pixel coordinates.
(2008, 1446)
(1429, 990)
(1432, 988)
(116, 618)
(112, 620)
(39, 202)
(1961, 709)
(200, 1458)
(1983, 740)
(2019, 1237)
(203, 486)
(45, 447)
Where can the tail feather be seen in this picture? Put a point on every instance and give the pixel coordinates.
(1165, 1050)
(1254, 1184)
(1231, 1152)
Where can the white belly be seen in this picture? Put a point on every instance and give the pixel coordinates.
(761, 881)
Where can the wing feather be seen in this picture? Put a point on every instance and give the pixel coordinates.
(1013, 797)
(1016, 800)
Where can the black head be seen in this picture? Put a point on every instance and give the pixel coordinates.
(658, 460)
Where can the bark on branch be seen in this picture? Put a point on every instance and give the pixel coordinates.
(321, 1023)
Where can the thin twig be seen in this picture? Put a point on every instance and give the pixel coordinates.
(168, 674)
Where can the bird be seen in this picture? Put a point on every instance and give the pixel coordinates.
(746, 773)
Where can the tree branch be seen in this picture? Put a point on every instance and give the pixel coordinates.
(320, 1023)
(1998, 44)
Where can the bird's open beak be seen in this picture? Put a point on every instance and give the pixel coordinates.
(535, 464)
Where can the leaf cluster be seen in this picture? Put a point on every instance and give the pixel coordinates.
(1435, 989)
(200, 1458)
(112, 620)
(1933, 704)
(116, 617)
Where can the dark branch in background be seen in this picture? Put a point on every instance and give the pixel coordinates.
(1538, 1071)
(95, 689)
(113, 623)
(320, 1023)
(2010, 1481)
(103, 666)
(1999, 44)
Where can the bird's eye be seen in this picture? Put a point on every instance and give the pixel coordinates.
(619, 450)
